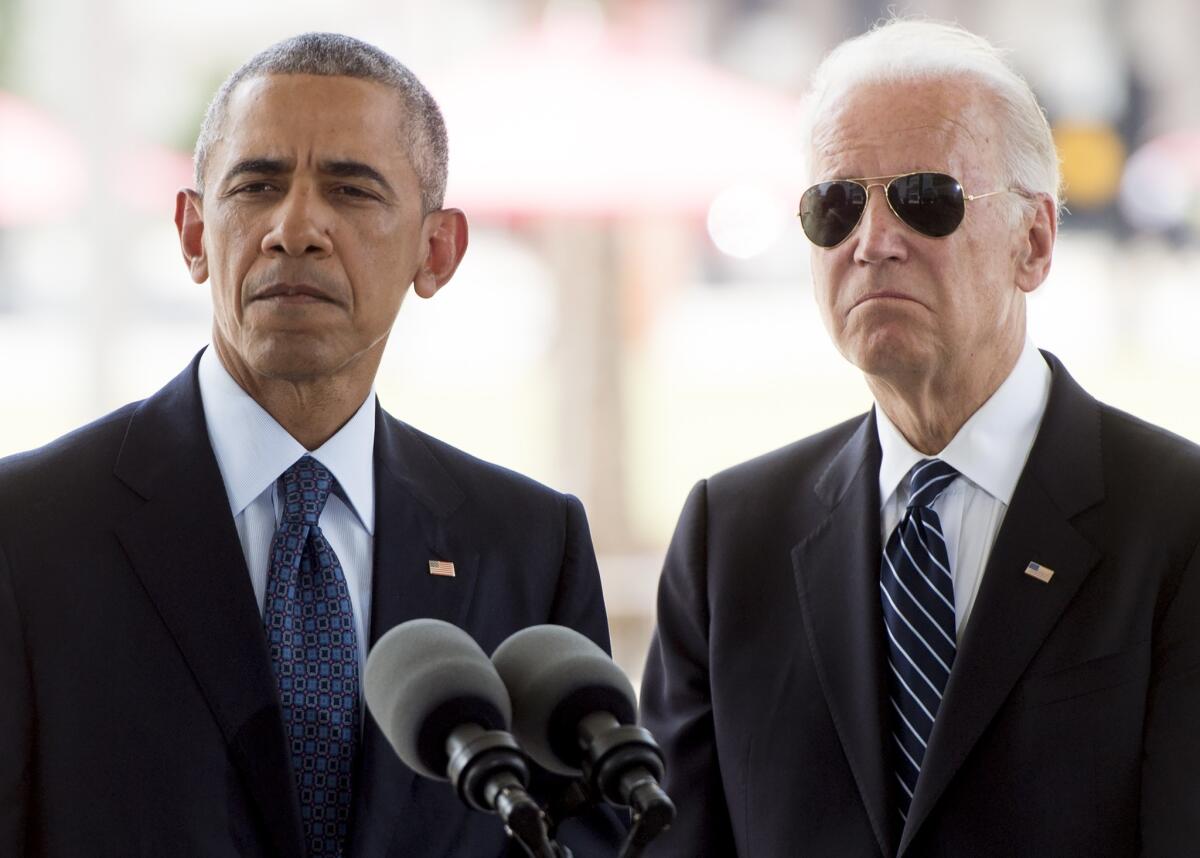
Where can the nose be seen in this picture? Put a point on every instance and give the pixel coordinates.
(301, 225)
(880, 235)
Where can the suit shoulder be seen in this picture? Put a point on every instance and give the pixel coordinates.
(478, 476)
(807, 457)
(1155, 460)
(1121, 428)
(82, 450)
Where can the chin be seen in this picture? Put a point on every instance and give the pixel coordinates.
(888, 356)
(292, 359)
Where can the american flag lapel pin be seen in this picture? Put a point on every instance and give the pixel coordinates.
(1037, 570)
(442, 568)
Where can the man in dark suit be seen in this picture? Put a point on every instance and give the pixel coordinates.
(189, 585)
(968, 622)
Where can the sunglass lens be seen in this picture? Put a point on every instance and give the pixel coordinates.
(829, 211)
(931, 203)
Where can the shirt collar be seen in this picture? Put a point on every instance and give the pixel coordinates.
(252, 449)
(990, 449)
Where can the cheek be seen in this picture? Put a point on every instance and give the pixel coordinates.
(231, 262)
(226, 307)
(824, 297)
(826, 277)
(231, 246)
(377, 283)
(986, 272)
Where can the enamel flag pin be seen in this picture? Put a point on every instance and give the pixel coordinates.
(1036, 570)
(443, 568)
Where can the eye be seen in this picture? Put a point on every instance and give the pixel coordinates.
(254, 188)
(355, 192)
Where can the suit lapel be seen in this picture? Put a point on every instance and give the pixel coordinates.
(837, 577)
(1014, 612)
(415, 504)
(183, 546)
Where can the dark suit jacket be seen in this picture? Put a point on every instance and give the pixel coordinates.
(138, 712)
(1071, 722)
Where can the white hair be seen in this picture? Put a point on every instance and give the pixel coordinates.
(905, 50)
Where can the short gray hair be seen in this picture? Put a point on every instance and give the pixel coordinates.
(903, 50)
(335, 55)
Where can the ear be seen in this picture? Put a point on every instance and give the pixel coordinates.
(445, 235)
(1037, 245)
(189, 221)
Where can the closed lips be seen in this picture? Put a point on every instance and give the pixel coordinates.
(288, 290)
(896, 295)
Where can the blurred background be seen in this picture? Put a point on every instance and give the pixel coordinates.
(635, 310)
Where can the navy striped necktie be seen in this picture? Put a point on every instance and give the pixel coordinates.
(917, 591)
(314, 654)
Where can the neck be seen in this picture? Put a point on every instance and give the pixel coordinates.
(311, 410)
(929, 410)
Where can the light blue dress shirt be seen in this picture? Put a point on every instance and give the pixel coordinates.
(253, 450)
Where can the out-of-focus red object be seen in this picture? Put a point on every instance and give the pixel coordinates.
(558, 123)
(43, 175)
(44, 170)
(149, 175)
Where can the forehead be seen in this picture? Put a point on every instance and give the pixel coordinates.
(882, 129)
(305, 116)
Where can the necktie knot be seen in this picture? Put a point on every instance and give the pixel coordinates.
(305, 488)
(927, 480)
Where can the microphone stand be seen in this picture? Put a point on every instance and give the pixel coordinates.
(489, 772)
(652, 811)
(622, 765)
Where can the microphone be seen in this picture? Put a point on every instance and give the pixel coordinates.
(575, 713)
(445, 711)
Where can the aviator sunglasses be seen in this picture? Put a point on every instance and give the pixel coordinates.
(933, 204)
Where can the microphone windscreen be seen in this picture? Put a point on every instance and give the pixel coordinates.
(423, 679)
(556, 677)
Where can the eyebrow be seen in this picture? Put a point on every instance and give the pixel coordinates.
(258, 167)
(344, 169)
(355, 170)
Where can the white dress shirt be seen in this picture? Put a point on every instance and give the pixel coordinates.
(989, 452)
(253, 451)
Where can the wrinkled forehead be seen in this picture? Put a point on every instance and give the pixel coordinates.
(294, 122)
(887, 128)
(313, 101)
(288, 109)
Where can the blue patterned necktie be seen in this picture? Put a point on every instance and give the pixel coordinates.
(917, 591)
(314, 654)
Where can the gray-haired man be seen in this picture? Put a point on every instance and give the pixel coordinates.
(968, 622)
(188, 586)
